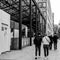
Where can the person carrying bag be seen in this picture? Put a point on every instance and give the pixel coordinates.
(46, 42)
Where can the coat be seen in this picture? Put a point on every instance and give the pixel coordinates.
(51, 38)
(46, 40)
(55, 37)
(37, 41)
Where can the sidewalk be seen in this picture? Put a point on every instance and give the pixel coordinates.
(17, 54)
(28, 54)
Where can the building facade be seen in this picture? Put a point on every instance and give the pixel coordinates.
(45, 7)
(52, 25)
(56, 27)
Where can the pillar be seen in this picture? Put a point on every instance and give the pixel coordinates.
(20, 25)
(36, 21)
(30, 23)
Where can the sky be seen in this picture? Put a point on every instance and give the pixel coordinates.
(55, 6)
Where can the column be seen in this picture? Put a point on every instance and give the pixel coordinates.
(36, 21)
(20, 25)
(30, 23)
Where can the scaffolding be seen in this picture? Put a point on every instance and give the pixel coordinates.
(25, 12)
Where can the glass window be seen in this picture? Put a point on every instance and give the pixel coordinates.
(44, 4)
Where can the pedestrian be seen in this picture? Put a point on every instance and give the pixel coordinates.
(51, 41)
(46, 42)
(37, 42)
(55, 38)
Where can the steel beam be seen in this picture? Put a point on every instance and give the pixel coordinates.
(38, 9)
(20, 16)
(30, 23)
(36, 22)
(20, 25)
(39, 32)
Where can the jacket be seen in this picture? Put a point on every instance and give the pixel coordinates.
(37, 41)
(46, 40)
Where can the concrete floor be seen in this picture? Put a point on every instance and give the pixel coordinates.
(28, 54)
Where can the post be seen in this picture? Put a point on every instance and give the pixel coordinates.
(36, 21)
(42, 25)
(30, 24)
(13, 29)
(39, 22)
(20, 25)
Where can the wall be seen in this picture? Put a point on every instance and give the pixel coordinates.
(4, 31)
(15, 35)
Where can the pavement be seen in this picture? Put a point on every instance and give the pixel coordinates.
(28, 53)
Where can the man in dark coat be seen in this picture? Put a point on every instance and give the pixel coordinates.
(55, 37)
(37, 42)
(51, 41)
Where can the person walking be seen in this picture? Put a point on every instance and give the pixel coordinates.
(46, 42)
(37, 42)
(55, 37)
(51, 41)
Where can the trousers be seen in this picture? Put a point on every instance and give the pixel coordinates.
(46, 50)
(37, 50)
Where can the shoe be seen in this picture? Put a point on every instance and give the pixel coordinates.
(35, 57)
